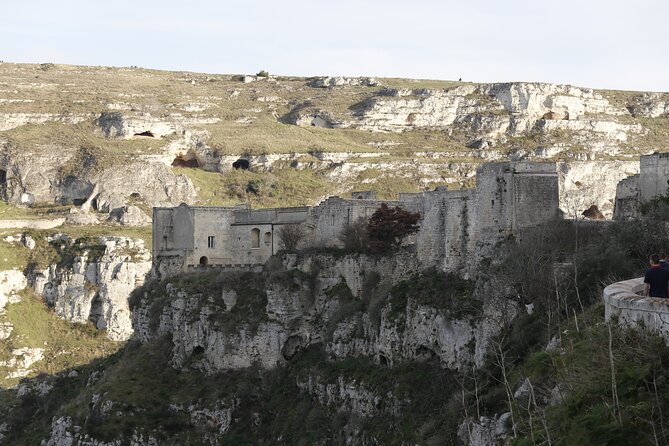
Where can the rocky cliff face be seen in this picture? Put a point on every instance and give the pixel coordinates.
(80, 177)
(96, 285)
(345, 338)
(350, 305)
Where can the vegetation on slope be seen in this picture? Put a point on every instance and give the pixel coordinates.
(597, 383)
(571, 399)
(65, 344)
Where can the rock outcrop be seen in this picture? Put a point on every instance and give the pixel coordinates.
(311, 301)
(96, 286)
(126, 125)
(75, 177)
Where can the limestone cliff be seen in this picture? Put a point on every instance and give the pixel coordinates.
(348, 335)
(355, 306)
(93, 285)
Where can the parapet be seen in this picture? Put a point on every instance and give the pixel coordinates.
(622, 300)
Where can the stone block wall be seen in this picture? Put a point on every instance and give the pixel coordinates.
(654, 176)
(627, 198)
(621, 300)
(458, 228)
(327, 220)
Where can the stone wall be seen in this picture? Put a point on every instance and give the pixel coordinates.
(622, 300)
(327, 220)
(654, 176)
(627, 197)
(457, 229)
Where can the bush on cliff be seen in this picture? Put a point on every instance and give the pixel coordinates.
(388, 227)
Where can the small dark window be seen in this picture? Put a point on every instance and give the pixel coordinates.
(211, 242)
(204, 260)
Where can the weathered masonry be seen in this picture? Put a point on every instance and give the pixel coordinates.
(651, 182)
(458, 227)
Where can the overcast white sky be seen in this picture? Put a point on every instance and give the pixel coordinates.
(592, 43)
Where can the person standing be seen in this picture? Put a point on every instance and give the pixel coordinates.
(656, 279)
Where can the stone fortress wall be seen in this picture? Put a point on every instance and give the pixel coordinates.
(457, 226)
(652, 181)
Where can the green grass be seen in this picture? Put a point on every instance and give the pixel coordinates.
(12, 255)
(38, 211)
(419, 83)
(283, 187)
(66, 345)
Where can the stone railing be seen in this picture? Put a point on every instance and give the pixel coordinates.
(623, 300)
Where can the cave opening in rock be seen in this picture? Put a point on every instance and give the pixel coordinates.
(135, 196)
(291, 347)
(424, 353)
(593, 213)
(3, 184)
(242, 163)
(204, 261)
(383, 361)
(147, 133)
(198, 351)
(180, 161)
(96, 311)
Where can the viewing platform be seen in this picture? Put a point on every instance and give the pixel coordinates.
(624, 300)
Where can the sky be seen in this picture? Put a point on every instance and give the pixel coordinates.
(590, 43)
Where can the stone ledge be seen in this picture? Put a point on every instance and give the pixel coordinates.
(621, 299)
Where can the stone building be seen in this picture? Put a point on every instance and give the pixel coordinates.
(651, 182)
(458, 227)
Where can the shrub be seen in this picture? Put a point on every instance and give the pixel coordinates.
(354, 236)
(387, 227)
(263, 73)
(290, 236)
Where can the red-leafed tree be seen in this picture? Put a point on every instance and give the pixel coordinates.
(387, 227)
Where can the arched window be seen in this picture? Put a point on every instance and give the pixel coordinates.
(255, 238)
(268, 238)
(204, 260)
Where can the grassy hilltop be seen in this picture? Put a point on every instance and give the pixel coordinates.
(272, 116)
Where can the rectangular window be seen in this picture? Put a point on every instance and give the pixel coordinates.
(210, 242)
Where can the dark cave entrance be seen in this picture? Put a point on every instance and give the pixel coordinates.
(198, 351)
(242, 163)
(146, 133)
(180, 161)
(3, 184)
